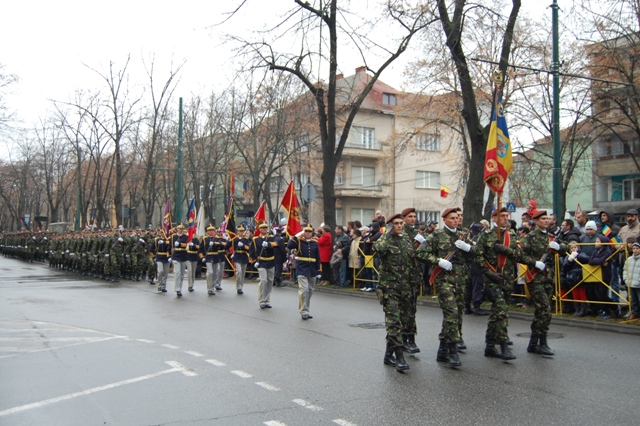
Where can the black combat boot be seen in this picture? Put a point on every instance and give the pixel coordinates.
(543, 348)
(460, 345)
(401, 364)
(389, 358)
(505, 352)
(443, 352)
(533, 344)
(410, 344)
(454, 361)
(491, 351)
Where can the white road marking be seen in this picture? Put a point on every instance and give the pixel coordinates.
(274, 423)
(307, 404)
(176, 368)
(171, 346)
(342, 422)
(241, 373)
(60, 347)
(37, 330)
(267, 386)
(194, 353)
(51, 339)
(216, 362)
(145, 341)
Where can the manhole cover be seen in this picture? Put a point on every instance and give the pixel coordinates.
(369, 325)
(549, 335)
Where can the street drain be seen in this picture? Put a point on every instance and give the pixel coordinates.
(369, 325)
(549, 335)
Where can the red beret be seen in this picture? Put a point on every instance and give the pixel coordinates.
(448, 211)
(407, 211)
(394, 217)
(458, 209)
(502, 210)
(536, 214)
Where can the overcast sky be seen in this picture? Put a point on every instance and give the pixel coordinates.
(47, 43)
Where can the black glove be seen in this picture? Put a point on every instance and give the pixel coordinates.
(500, 249)
(495, 277)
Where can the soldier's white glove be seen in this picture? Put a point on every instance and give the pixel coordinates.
(120, 239)
(44, 238)
(571, 257)
(463, 246)
(265, 244)
(299, 234)
(160, 241)
(231, 257)
(256, 264)
(445, 264)
(204, 260)
(33, 238)
(240, 244)
(554, 246)
(169, 260)
(540, 265)
(106, 255)
(419, 238)
(191, 245)
(141, 240)
(177, 243)
(318, 277)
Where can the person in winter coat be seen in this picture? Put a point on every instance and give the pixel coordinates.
(609, 229)
(325, 245)
(603, 256)
(336, 263)
(570, 275)
(632, 276)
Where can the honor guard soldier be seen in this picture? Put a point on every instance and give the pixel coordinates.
(397, 261)
(448, 251)
(209, 250)
(261, 252)
(241, 256)
(500, 254)
(161, 251)
(193, 261)
(539, 250)
(307, 266)
(179, 242)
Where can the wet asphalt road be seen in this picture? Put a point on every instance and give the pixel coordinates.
(76, 351)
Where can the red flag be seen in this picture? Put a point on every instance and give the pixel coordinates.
(290, 204)
(498, 161)
(191, 219)
(444, 191)
(166, 219)
(260, 216)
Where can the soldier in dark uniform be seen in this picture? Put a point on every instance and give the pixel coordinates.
(209, 250)
(161, 251)
(179, 243)
(261, 252)
(498, 267)
(193, 261)
(308, 266)
(241, 256)
(539, 250)
(281, 255)
(395, 289)
(448, 251)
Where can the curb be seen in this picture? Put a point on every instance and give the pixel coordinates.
(567, 322)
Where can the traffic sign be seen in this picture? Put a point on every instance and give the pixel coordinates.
(309, 192)
(511, 207)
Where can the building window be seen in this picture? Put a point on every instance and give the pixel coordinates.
(427, 180)
(427, 215)
(389, 99)
(301, 180)
(631, 189)
(274, 185)
(302, 143)
(339, 217)
(428, 142)
(363, 176)
(363, 215)
(339, 178)
(364, 137)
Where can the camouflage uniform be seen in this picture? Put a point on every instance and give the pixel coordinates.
(448, 284)
(498, 291)
(397, 260)
(409, 327)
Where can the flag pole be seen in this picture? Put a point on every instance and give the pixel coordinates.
(497, 78)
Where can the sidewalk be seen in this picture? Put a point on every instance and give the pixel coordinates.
(611, 325)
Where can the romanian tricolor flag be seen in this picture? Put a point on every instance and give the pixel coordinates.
(191, 219)
(606, 231)
(498, 161)
(444, 191)
(290, 204)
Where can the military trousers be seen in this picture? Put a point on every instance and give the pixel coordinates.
(178, 272)
(266, 284)
(241, 268)
(396, 305)
(163, 273)
(540, 289)
(306, 286)
(451, 300)
(217, 273)
(498, 315)
(191, 272)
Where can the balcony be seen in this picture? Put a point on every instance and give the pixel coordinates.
(350, 191)
(359, 150)
(617, 207)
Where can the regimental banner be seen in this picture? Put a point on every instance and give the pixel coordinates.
(498, 161)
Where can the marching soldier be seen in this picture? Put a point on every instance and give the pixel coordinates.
(161, 251)
(179, 243)
(538, 250)
(308, 266)
(193, 261)
(395, 290)
(261, 252)
(241, 256)
(448, 249)
(210, 254)
(409, 327)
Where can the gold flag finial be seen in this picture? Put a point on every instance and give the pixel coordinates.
(497, 77)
